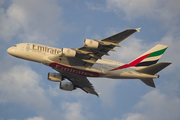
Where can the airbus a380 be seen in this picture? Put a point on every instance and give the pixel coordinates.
(77, 64)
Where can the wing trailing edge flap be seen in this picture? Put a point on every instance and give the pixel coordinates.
(81, 82)
(85, 85)
(89, 90)
(109, 43)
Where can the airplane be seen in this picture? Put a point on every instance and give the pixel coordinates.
(76, 65)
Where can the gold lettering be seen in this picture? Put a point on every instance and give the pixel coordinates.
(45, 49)
(41, 48)
(50, 50)
(65, 69)
(91, 74)
(71, 70)
(79, 72)
(56, 66)
(34, 47)
(62, 68)
(82, 72)
(58, 51)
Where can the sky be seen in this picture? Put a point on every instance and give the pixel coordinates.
(25, 92)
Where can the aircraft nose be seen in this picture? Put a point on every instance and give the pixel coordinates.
(10, 50)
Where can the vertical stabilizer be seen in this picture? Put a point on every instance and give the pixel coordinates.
(150, 57)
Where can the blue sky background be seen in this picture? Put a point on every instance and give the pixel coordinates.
(25, 92)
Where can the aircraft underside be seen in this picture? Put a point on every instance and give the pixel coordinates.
(78, 64)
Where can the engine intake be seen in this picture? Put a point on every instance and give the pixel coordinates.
(68, 86)
(68, 52)
(91, 43)
(56, 77)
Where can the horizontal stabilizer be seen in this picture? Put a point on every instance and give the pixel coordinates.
(155, 68)
(148, 81)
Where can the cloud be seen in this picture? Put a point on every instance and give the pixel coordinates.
(134, 116)
(31, 21)
(106, 89)
(172, 40)
(96, 6)
(156, 9)
(36, 118)
(73, 111)
(20, 85)
(133, 9)
(157, 106)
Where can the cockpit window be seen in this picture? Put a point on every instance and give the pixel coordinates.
(15, 46)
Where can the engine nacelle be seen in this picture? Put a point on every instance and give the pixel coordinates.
(68, 52)
(68, 86)
(56, 77)
(91, 43)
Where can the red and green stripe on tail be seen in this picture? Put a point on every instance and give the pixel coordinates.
(148, 58)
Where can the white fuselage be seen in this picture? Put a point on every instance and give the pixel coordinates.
(102, 67)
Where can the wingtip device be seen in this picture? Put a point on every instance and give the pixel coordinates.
(138, 29)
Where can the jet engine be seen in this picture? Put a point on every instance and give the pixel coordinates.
(56, 77)
(91, 43)
(68, 52)
(68, 86)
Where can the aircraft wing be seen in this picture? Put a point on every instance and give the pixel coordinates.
(117, 38)
(80, 82)
(91, 55)
(87, 56)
